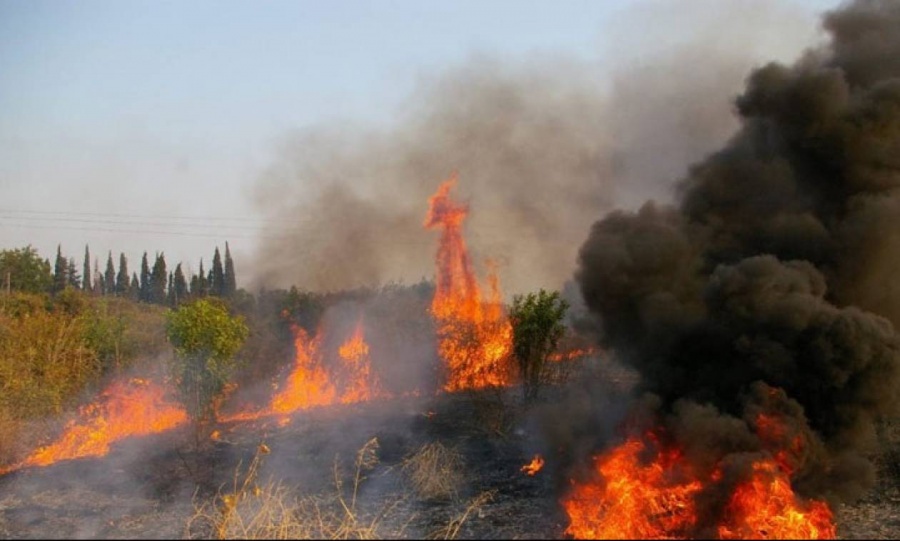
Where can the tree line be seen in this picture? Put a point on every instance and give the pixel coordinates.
(24, 270)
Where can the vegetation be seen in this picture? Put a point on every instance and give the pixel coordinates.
(435, 472)
(23, 270)
(251, 509)
(537, 320)
(205, 337)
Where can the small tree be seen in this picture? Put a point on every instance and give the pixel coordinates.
(537, 328)
(23, 269)
(205, 337)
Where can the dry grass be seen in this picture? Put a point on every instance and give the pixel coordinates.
(435, 471)
(473, 506)
(272, 511)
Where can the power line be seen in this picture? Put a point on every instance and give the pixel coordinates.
(140, 232)
(148, 216)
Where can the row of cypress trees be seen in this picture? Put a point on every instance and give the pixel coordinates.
(154, 284)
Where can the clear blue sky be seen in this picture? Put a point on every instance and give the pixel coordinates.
(171, 109)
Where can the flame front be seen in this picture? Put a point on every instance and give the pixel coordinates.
(635, 498)
(536, 464)
(312, 383)
(126, 408)
(631, 499)
(308, 384)
(474, 336)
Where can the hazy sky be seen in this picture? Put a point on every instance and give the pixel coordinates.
(133, 126)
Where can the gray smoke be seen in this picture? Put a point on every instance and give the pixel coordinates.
(770, 288)
(541, 147)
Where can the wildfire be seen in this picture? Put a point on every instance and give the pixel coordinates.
(361, 385)
(536, 464)
(474, 336)
(126, 408)
(632, 499)
(636, 498)
(308, 384)
(311, 383)
(571, 355)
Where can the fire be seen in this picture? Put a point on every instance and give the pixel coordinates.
(633, 497)
(474, 336)
(361, 385)
(312, 383)
(126, 408)
(571, 355)
(308, 384)
(765, 507)
(536, 464)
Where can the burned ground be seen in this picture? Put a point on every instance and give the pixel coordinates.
(151, 487)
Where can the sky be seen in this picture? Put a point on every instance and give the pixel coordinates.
(145, 126)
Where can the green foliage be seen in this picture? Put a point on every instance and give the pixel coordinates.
(205, 337)
(537, 328)
(44, 357)
(25, 271)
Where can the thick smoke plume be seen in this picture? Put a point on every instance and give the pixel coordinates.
(541, 148)
(771, 287)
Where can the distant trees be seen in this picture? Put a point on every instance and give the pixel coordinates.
(23, 270)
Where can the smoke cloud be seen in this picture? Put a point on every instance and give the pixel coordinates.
(541, 146)
(770, 286)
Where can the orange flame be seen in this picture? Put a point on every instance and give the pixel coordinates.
(571, 355)
(536, 464)
(308, 384)
(765, 506)
(361, 385)
(311, 384)
(474, 337)
(632, 498)
(125, 408)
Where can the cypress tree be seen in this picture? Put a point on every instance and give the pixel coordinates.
(109, 278)
(217, 276)
(134, 288)
(179, 285)
(170, 293)
(98, 278)
(122, 279)
(72, 275)
(230, 280)
(86, 283)
(59, 271)
(158, 280)
(202, 283)
(144, 292)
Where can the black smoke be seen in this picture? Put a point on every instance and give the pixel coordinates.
(773, 285)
